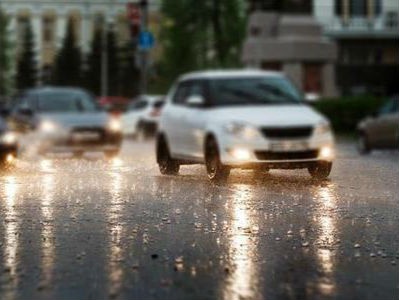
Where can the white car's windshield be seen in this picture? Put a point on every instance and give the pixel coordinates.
(253, 91)
(66, 102)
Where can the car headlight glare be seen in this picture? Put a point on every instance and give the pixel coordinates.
(241, 154)
(241, 130)
(322, 128)
(8, 138)
(114, 125)
(48, 126)
(327, 153)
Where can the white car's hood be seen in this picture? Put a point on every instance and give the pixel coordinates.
(273, 115)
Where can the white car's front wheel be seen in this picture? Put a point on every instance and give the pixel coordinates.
(216, 171)
(167, 165)
(321, 170)
(362, 144)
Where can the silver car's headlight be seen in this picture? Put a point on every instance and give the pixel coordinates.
(322, 128)
(241, 130)
(47, 126)
(8, 138)
(114, 125)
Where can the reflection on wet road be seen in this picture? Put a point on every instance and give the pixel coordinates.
(242, 248)
(116, 229)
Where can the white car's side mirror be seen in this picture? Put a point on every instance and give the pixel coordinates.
(312, 97)
(195, 100)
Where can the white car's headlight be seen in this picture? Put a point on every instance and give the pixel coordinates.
(8, 138)
(322, 128)
(241, 130)
(48, 126)
(114, 125)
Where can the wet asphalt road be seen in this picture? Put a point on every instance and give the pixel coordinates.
(96, 229)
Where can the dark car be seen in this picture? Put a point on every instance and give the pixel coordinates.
(66, 120)
(380, 131)
(8, 143)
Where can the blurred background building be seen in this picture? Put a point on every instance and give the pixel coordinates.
(327, 46)
(367, 35)
(49, 23)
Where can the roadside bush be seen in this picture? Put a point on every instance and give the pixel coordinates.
(344, 113)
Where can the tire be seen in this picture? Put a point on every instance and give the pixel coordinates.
(111, 153)
(216, 171)
(321, 170)
(78, 154)
(167, 165)
(363, 145)
(142, 133)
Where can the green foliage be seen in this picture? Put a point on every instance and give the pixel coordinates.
(68, 65)
(123, 76)
(129, 76)
(5, 61)
(199, 35)
(113, 63)
(26, 76)
(344, 113)
(93, 72)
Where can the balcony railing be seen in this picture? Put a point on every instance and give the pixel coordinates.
(387, 24)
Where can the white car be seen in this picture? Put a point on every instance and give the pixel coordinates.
(241, 119)
(142, 116)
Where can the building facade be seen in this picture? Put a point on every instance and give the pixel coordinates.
(367, 35)
(49, 18)
(284, 36)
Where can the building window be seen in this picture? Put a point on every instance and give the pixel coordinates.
(271, 66)
(312, 78)
(358, 8)
(338, 8)
(255, 31)
(99, 21)
(48, 29)
(377, 7)
(22, 27)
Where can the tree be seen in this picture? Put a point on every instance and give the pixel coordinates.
(93, 72)
(26, 76)
(201, 34)
(129, 80)
(115, 59)
(68, 65)
(5, 61)
(113, 62)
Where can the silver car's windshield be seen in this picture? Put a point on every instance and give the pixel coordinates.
(253, 91)
(66, 102)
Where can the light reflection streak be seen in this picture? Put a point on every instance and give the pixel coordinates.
(46, 165)
(115, 273)
(11, 225)
(242, 248)
(326, 238)
(47, 236)
(11, 232)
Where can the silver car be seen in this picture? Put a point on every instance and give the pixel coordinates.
(380, 131)
(66, 120)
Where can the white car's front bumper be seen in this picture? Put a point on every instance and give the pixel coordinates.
(239, 153)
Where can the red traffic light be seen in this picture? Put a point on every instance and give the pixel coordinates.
(133, 13)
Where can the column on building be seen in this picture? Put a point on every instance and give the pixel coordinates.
(294, 71)
(329, 87)
(37, 23)
(61, 23)
(85, 32)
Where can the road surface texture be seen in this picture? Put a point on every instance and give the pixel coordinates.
(95, 229)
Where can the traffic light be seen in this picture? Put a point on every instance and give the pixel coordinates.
(134, 18)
